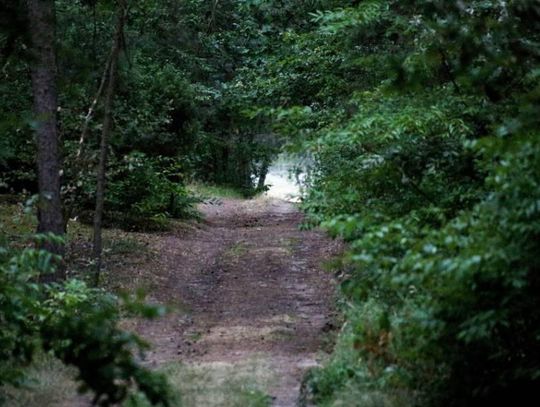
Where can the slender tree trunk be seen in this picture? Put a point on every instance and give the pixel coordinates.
(90, 114)
(262, 175)
(104, 144)
(41, 18)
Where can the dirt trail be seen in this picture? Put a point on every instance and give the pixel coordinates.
(255, 298)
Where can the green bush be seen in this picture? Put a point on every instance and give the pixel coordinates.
(142, 192)
(76, 324)
(148, 188)
(458, 301)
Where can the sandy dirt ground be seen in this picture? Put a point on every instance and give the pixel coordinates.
(249, 289)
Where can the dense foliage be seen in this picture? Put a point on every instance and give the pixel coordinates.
(173, 100)
(420, 118)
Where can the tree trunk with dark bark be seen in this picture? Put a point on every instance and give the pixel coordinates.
(41, 23)
(104, 144)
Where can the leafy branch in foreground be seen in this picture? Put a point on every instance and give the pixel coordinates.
(78, 325)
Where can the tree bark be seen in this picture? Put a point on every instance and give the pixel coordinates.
(262, 175)
(104, 144)
(41, 18)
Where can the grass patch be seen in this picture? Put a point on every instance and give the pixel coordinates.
(16, 225)
(290, 244)
(236, 250)
(52, 384)
(124, 246)
(194, 336)
(122, 251)
(209, 192)
(242, 384)
(48, 383)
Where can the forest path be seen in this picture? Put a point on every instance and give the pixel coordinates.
(254, 300)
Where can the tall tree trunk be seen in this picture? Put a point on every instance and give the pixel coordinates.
(41, 19)
(104, 145)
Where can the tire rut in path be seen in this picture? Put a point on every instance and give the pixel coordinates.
(254, 290)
